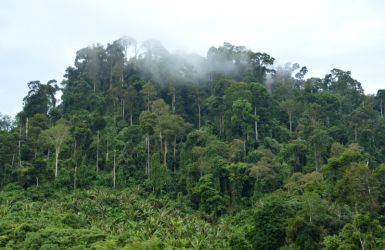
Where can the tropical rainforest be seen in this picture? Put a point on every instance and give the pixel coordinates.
(149, 149)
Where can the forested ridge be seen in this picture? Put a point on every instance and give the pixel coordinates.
(149, 149)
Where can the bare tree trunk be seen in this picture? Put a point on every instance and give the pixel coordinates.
(244, 144)
(37, 183)
(13, 157)
(210, 83)
(220, 124)
(316, 162)
(114, 169)
(355, 135)
(174, 155)
(290, 121)
(76, 169)
(161, 140)
(107, 150)
(173, 102)
(97, 156)
(35, 150)
(146, 167)
(26, 129)
(223, 124)
(123, 109)
(165, 151)
(57, 156)
(114, 111)
(148, 102)
(211, 89)
(199, 107)
(111, 75)
(19, 160)
(256, 124)
(148, 155)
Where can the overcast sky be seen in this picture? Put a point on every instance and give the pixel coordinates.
(39, 39)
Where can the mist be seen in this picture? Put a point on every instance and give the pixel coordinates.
(40, 39)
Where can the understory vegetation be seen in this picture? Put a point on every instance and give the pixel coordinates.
(157, 150)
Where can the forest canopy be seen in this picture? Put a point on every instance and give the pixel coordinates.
(149, 149)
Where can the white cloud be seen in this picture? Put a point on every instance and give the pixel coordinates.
(39, 39)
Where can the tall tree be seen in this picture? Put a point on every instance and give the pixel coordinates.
(38, 165)
(112, 95)
(198, 94)
(319, 143)
(93, 68)
(381, 97)
(380, 134)
(260, 97)
(126, 42)
(171, 126)
(114, 169)
(160, 109)
(130, 97)
(216, 106)
(172, 92)
(243, 118)
(36, 124)
(292, 108)
(98, 124)
(147, 123)
(357, 188)
(148, 92)
(270, 223)
(329, 104)
(358, 116)
(56, 136)
(39, 98)
(114, 54)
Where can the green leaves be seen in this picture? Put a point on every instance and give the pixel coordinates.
(270, 224)
(147, 121)
(98, 123)
(243, 116)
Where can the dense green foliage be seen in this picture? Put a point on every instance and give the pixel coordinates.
(176, 151)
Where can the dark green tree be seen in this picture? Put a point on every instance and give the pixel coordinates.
(38, 166)
(147, 123)
(270, 222)
(98, 124)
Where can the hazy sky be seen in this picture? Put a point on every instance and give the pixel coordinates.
(39, 39)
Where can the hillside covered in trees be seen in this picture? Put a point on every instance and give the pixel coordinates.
(149, 149)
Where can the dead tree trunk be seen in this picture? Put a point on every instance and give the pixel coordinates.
(26, 129)
(37, 183)
(256, 125)
(97, 156)
(165, 150)
(114, 169)
(148, 154)
(19, 160)
(199, 107)
(174, 155)
(76, 168)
